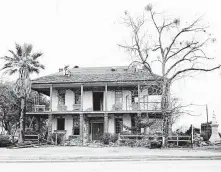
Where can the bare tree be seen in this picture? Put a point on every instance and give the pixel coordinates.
(178, 49)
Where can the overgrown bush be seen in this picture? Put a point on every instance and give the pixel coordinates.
(109, 138)
(136, 143)
(205, 136)
(155, 144)
(60, 137)
(4, 141)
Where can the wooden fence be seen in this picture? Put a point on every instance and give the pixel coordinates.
(32, 137)
(174, 139)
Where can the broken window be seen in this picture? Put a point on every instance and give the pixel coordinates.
(61, 97)
(77, 98)
(60, 123)
(154, 90)
(118, 97)
(134, 96)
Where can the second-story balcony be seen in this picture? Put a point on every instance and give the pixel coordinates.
(100, 99)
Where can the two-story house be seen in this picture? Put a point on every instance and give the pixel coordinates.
(88, 102)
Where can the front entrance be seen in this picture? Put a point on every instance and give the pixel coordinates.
(98, 101)
(97, 130)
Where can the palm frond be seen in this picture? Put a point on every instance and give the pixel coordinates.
(14, 54)
(27, 49)
(36, 55)
(18, 49)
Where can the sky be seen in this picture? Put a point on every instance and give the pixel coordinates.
(86, 33)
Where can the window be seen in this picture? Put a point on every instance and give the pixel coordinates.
(76, 126)
(77, 98)
(118, 97)
(154, 90)
(118, 125)
(61, 97)
(134, 97)
(60, 123)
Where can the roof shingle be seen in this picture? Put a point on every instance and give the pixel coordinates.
(97, 74)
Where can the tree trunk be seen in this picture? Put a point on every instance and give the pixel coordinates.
(21, 130)
(165, 113)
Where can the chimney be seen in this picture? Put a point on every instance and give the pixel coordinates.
(60, 69)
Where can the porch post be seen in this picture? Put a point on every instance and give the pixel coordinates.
(49, 126)
(105, 123)
(81, 127)
(138, 92)
(82, 91)
(106, 97)
(50, 117)
(51, 98)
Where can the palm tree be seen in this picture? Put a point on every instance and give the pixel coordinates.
(24, 62)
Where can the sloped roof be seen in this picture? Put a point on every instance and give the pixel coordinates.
(97, 74)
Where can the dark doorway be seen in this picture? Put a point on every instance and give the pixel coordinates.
(97, 130)
(60, 123)
(98, 101)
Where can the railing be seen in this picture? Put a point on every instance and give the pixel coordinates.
(40, 108)
(176, 138)
(32, 137)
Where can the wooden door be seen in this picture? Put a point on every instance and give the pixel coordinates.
(97, 131)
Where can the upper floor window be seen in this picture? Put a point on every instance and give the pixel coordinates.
(154, 90)
(118, 97)
(61, 97)
(134, 96)
(77, 98)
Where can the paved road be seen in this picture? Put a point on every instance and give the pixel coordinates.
(141, 166)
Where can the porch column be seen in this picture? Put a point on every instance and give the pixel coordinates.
(105, 123)
(51, 98)
(37, 123)
(50, 117)
(82, 91)
(49, 126)
(81, 127)
(138, 92)
(106, 97)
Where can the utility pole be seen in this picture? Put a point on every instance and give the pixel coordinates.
(207, 122)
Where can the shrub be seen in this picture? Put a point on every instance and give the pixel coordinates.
(4, 141)
(108, 137)
(155, 144)
(136, 143)
(60, 137)
(205, 136)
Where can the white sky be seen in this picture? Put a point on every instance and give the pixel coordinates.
(86, 33)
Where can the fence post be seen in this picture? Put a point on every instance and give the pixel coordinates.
(163, 140)
(56, 139)
(177, 140)
(192, 136)
(118, 140)
(38, 138)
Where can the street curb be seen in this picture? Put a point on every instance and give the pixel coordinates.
(108, 159)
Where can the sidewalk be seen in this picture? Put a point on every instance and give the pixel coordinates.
(76, 154)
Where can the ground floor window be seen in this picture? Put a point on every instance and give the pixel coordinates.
(118, 125)
(60, 123)
(76, 126)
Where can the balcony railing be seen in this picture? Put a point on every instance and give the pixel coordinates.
(144, 106)
(40, 108)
